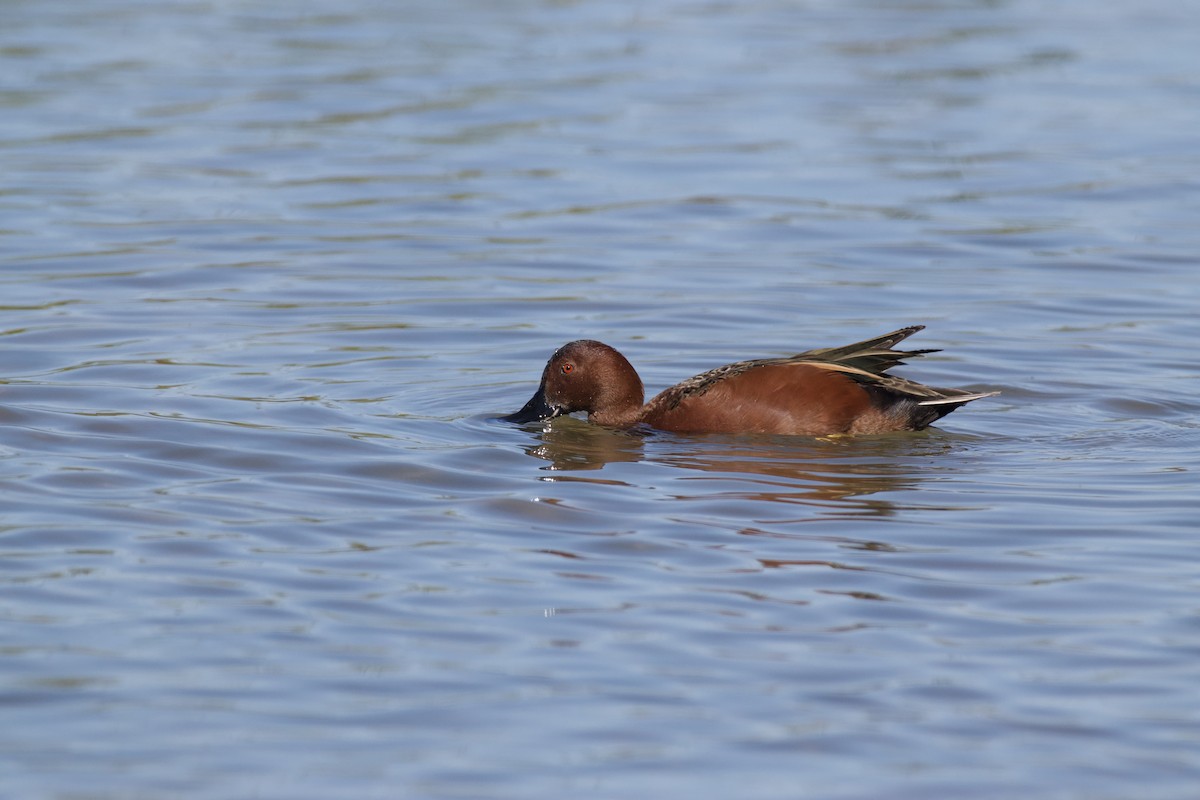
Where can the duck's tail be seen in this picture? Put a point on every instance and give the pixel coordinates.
(924, 413)
(915, 403)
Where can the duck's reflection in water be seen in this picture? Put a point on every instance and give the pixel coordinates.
(742, 505)
(846, 475)
(569, 444)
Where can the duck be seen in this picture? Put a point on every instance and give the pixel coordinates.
(823, 392)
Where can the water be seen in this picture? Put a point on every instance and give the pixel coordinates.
(269, 270)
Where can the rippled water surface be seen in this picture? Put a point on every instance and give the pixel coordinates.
(269, 270)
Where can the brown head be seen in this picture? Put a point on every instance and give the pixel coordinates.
(589, 376)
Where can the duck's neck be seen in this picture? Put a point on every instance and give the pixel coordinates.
(618, 417)
(619, 403)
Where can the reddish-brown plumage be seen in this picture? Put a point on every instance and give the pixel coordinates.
(819, 392)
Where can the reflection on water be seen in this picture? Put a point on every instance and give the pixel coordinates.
(839, 475)
(571, 444)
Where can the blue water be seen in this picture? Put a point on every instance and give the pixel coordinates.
(268, 272)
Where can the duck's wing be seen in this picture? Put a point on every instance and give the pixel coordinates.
(875, 356)
(864, 362)
(922, 394)
(867, 361)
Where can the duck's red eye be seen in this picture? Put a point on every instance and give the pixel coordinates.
(568, 368)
